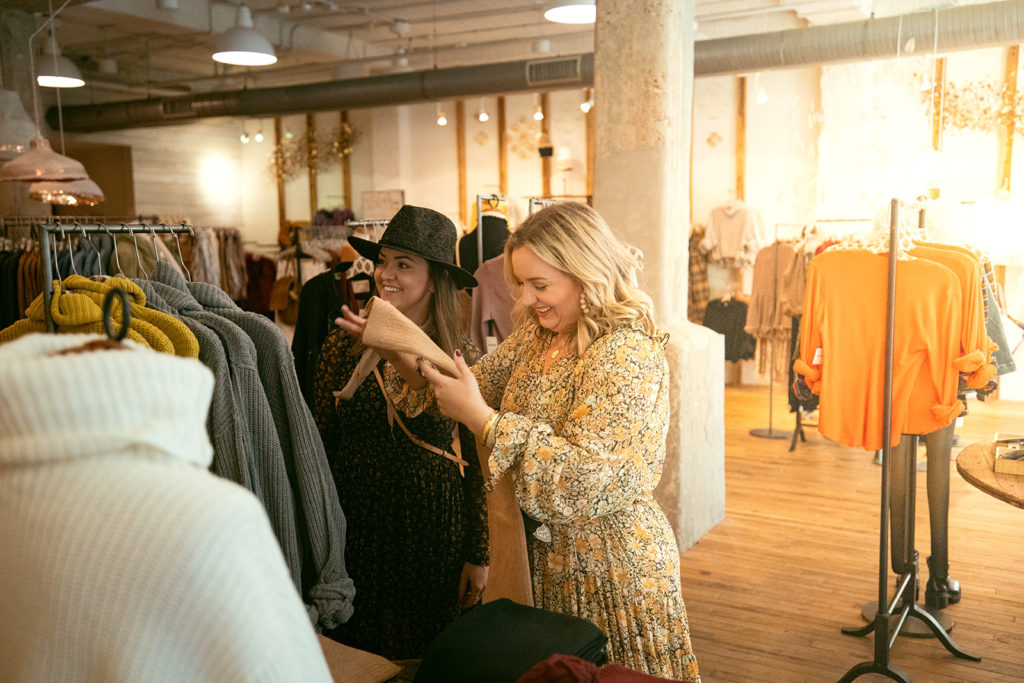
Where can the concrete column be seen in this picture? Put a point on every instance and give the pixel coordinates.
(643, 90)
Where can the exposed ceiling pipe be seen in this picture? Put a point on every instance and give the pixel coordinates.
(375, 91)
(959, 28)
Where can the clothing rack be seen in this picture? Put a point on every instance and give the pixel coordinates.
(48, 232)
(375, 223)
(480, 225)
(760, 432)
(904, 600)
(540, 201)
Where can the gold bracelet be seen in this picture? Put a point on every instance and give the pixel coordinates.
(488, 426)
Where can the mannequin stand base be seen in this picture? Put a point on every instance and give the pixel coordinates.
(769, 433)
(912, 628)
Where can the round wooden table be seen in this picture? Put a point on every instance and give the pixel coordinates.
(976, 464)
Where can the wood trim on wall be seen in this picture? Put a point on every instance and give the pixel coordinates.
(311, 163)
(502, 150)
(938, 95)
(1008, 127)
(589, 118)
(741, 136)
(282, 235)
(346, 170)
(460, 153)
(545, 162)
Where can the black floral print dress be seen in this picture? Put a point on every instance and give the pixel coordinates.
(413, 520)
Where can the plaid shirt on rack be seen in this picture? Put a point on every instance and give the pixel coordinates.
(700, 291)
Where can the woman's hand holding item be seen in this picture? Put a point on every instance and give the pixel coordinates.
(471, 584)
(405, 363)
(458, 398)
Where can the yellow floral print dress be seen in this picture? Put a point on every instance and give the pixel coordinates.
(584, 442)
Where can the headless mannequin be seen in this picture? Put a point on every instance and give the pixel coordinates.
(940, 590)
(495, 232)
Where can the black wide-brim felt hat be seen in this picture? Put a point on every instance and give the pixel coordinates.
(421, 232)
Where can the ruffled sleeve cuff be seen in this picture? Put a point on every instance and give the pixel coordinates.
(811, 375)
(969, 362)
(947, 413)
(981, 376)
(992, 348)
(509, 433)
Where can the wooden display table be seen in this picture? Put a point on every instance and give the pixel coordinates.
(976, 464)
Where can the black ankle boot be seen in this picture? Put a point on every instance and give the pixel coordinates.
(941, 591)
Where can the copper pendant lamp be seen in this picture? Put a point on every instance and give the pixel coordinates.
(69, 193)
(42, 163)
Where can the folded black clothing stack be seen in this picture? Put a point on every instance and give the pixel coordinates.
(501, 640)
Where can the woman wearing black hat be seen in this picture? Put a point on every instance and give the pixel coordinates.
(417, 546)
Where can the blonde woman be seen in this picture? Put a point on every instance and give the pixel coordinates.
(574, 405)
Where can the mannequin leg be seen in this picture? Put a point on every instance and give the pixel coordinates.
(902, 456)
(941, 590)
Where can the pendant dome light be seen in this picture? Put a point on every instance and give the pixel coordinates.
(572, 12)
(83, 192)
(56, 70)
(16, 128)
(42, 163)
(243, 45)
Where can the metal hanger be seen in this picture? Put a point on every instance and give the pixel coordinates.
(113, 239)
(85, 236)
(181, 258)
(135, 241)
(67, 245)
(156, 247)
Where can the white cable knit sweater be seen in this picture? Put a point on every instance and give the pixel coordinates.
(121, 557)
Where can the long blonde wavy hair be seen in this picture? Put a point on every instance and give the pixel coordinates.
(576, 240)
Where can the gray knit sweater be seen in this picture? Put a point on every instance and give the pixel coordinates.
(224, 423)
(322, 522)
(265, 463)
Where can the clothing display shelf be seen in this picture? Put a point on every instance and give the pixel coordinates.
(48, 232)
(480, 199)
(888, 622)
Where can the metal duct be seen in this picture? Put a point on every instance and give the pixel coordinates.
(375, 91)
(958, 28)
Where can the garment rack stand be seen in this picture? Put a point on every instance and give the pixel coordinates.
(51, 229)
(903, 603)
(761, 432)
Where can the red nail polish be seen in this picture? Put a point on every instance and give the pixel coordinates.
(458, 353)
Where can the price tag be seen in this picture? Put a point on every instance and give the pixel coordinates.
(360, 286)
(817, 357)
(491, 343)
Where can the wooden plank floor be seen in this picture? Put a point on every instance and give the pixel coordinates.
(768, 589)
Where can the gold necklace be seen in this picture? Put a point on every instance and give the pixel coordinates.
(555, 352)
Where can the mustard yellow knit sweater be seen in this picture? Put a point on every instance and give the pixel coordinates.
(77, 307)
